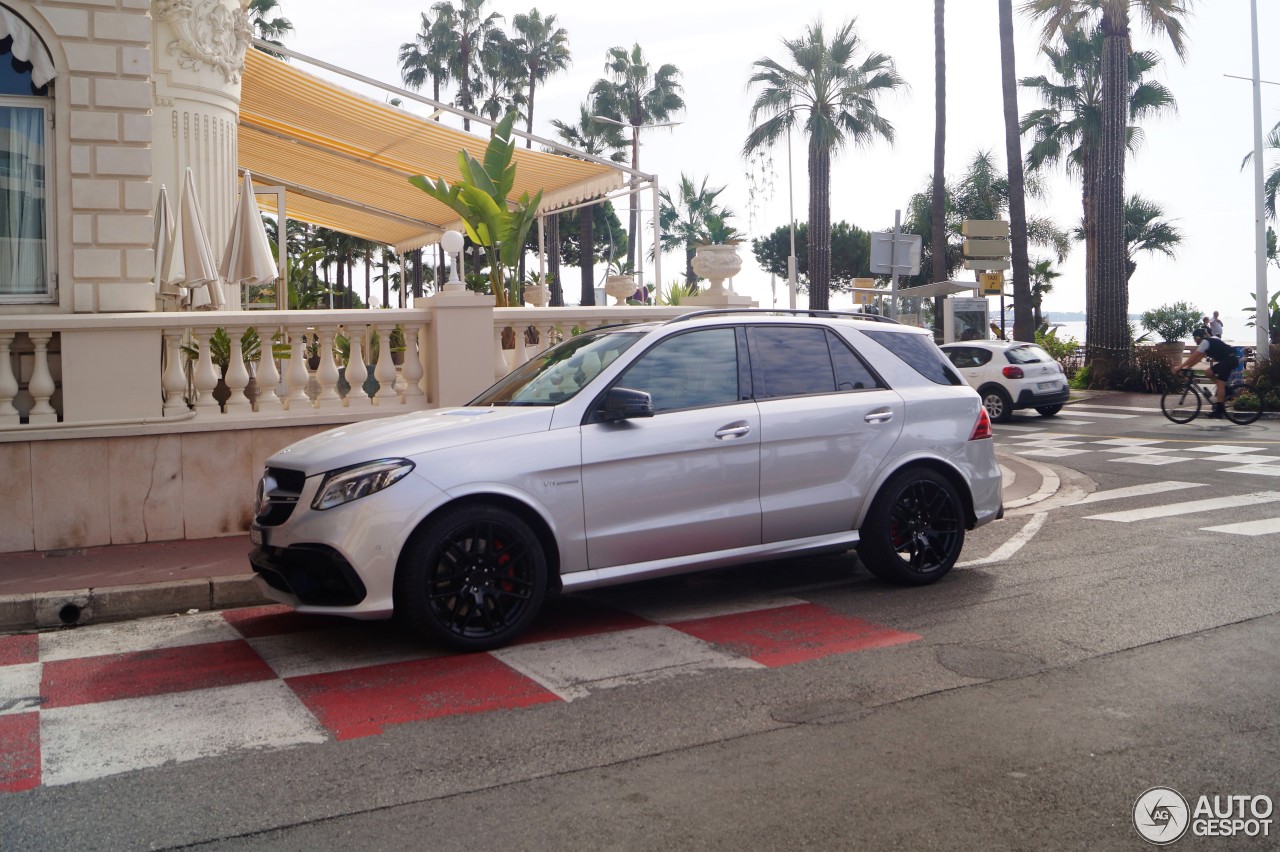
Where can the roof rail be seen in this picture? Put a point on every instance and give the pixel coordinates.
(799, 312)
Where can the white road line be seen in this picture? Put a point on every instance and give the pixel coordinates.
(132, 636)
(1013, 545)
(1142, 408)
(1139, 490)
(1075, 413)
(1261, 469)
(1266, 526)
(1225, 449)
(1190, 507)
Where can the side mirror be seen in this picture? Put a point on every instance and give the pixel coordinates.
(625, 403)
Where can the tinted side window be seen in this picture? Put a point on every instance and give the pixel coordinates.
(688, 371)
(790, 361)
(1027, 355)
(851, 373)
(919, 353)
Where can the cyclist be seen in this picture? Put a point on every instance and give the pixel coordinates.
(1222, 357)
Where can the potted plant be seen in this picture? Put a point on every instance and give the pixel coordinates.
(717, 257)
(1172, 323)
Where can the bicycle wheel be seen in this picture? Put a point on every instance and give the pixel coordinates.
(1181, 405)
(1244, 404)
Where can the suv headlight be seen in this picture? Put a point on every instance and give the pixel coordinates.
(352, 483)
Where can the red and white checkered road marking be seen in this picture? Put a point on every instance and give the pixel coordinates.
(95, 701)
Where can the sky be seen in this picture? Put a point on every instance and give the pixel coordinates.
(1188, 162)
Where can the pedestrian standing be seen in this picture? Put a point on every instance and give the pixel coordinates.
(1215, 325)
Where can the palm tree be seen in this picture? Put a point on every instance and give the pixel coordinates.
(1068, 129)
(1272, 183)
(684, 220)
(597, 139)
(1022, 327)
(471, 32)
(428, 56)
(499, 88)
(937, 211)
(541, 48)
(1040, 278)
(1110, 341)
(637, 96)
(267, 27)
(1147, 229)
(836, 95)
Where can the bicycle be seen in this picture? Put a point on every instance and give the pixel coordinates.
(1183, 404)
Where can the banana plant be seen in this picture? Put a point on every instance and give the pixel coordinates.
(495, 224)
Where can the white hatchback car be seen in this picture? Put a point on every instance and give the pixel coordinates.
(633, 452)
(1010, 376)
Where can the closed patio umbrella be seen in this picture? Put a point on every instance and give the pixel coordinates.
(166, 231)
(248, 259)
(198, 267)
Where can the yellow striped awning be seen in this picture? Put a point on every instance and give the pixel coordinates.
(345, 159)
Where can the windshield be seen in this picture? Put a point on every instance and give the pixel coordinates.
(1027, 354)
(551, 377)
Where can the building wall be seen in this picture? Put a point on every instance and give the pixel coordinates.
(102, 151)
(85, 492)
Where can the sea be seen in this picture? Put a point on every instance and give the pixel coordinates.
(1235, 329)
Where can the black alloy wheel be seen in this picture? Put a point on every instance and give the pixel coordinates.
(914, 532)
(1244, 404)
(473, 579)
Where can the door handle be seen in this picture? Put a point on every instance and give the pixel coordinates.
(883, 416)
(734, 430)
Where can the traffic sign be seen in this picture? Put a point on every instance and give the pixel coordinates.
(987, 264)
(887, 259)
(984, 228)
(992, 283)
(986, 248)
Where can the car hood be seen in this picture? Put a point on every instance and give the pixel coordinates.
(409, 435)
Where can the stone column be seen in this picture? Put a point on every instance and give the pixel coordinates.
(198, 60)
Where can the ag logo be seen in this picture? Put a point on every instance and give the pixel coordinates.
(1161, 815)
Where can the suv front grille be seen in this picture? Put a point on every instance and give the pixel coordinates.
(278, 492)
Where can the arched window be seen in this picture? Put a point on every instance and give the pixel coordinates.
(25, 141)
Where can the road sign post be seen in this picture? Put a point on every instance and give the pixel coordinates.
(894, 253)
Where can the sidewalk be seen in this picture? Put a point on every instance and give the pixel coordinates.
(119, 582)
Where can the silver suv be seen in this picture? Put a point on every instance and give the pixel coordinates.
(632, 452)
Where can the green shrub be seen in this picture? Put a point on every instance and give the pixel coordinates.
(1172, 322)
(1062, 351)
(1265, 376)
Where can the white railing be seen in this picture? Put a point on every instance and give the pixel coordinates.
(514, 343)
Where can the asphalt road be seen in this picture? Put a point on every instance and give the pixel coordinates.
(1121, 635)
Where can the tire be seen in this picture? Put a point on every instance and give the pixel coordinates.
(1181, 405)
(1249, 395)
(1048, 410)
(473, 579)
(915, 529)
(998, 404)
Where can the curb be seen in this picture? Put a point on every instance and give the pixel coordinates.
(74, 607)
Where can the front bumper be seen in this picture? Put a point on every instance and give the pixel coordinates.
(314, 574)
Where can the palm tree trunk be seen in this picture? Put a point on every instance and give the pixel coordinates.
(633, 219)
(1022, 327)
(819, 226)
(690, 277)
(1112, 304)
(528, 123)
(386, 281)
(1089, 200)
(587, 254)
(938, 222)
(553, 260)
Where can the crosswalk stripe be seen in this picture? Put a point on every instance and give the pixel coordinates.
(1075, 413)
(1266, 526)
(1190, 507)
(1139, 490)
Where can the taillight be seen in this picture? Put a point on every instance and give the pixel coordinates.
(1012, 372)
(981, 429)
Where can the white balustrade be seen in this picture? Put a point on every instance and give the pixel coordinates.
(296, 376)
(384, 370)
(268, 377)
(205, 377)
(8, 382)
(174, 381)
(237, 376)
(355, 371)
(41, 386)
(412, 372)
(328, 374)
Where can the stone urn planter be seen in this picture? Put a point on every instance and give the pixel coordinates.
(1172, 351)
(716, 263)
(620, 287)
(536, 295)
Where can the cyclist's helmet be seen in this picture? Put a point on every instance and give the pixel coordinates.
(1200, 333)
